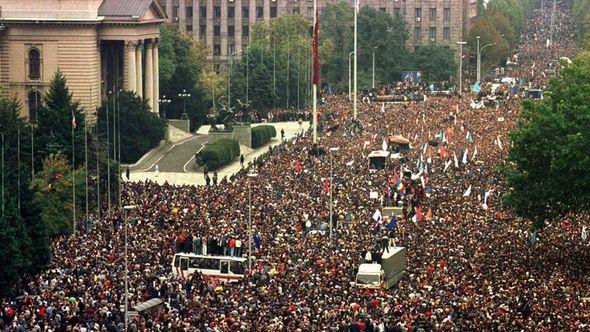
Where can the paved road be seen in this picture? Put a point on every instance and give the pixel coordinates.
(179, 154)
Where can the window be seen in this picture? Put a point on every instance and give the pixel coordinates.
(382, 9)
(34, 64)
(245, 31)
(203, 10)
(259, 12)
(203, 31)
(447, 33)
(396, 11)
(418, 12)
(432, 34)
(309, 13)
(189, 28)
(224, 269)
(273, 12)
(175, 11)
(216, 68)
(231, 31)
(296, 11)
(34, 103)
(216, 49)
(216, 30)
(217, 11)
(447, 14)
(245, 12)
(189, 12)
(184, 263)
(432, 13)
(231, 49)
(417, 33)
(237, 267)
(231, 11)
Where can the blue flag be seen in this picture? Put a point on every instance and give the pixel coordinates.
(392, 224)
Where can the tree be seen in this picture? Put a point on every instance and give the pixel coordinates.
(17, 179)
(485, 28)
(581, 12)
(549, 161)
(182, 59)
(11, 258)
(335, 22)
(436, 62)
(53, 133)
(54, 193)
(141, 130)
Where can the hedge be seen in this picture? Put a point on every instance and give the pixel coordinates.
(262, 135)
(218, 153)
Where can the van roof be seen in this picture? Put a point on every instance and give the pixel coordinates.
(392, 251)
(227, 258)
(369, 268)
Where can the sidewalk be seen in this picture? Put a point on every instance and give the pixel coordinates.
(197, 178)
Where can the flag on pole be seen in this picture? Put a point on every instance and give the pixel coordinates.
(455, 158)
(464, 160)
(428, 214)
(316, 61)
(74, 123)
(297, 166)
(499, 143)
(467, 192)
(469, 137)
(447, 164)
(392, 223)
(326, 186)
(584, 233)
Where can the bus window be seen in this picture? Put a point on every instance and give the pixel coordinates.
(237, 267)
(193, 263)
(176, 261)
(224, 267)
(184, 263)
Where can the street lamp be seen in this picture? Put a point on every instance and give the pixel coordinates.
(331, 182)
(231, 65)
(164, 102)
(374, 48)
(461, 43)
(127, 208)
(349, 77)
(251, 176)
(479, 50)
(184, 95)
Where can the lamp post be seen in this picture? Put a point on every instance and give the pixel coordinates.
(127, 208)
(349, 77)
(460, 76)
(479, 50)
(184, 95)
(231, 65)
(354, 101)
(373, 85)
(251, 176)
(332, 150)
(164, 102)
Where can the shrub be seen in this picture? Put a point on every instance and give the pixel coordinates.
(262, 135)
(218, 153)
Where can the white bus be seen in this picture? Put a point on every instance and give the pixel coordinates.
(226, 268)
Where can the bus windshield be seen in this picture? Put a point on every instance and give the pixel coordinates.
(368, 279)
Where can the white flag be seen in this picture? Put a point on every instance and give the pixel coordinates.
(464, 161)
(584, 233)
(455, 158)
(384, 145)
(377, 215)
(474, 154)
(499, 143)
(467, 192)
(382, 107)
(447, 164)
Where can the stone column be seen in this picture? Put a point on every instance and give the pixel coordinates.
(266, 8)
(238, 26)
(138, 68)
(182, 15)
(156, 94)
(149, 74)
(131, 76)
(169, 10)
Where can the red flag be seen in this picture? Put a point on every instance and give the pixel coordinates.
(326, 186)
(428, 214)
(418, 214)
(316, 61)
(297, 166)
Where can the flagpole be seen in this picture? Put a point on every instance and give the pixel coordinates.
(108, 148)
(3, 203)
(315, 87)
(86, 155)
(354, 106)
(97, 168)
(73, 175)
(119, 175)
(18, 164)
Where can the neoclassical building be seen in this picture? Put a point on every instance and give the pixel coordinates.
(101, 46)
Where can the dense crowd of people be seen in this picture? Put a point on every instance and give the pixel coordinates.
(470, 264)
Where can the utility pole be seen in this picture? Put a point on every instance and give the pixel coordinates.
(461, 43)
(354, 101)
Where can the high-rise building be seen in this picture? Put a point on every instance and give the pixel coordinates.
(225, 24)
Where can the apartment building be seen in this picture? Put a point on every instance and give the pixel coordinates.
(225, 24)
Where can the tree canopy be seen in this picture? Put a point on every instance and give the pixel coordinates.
(549, 159)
